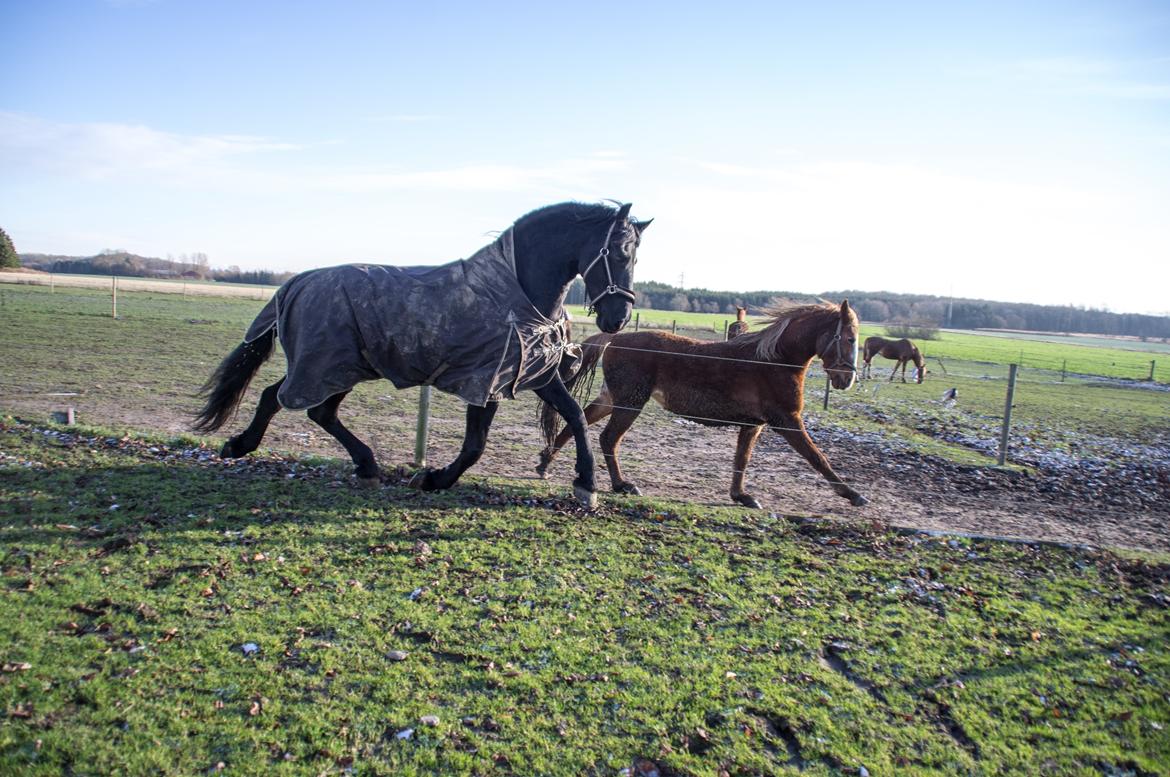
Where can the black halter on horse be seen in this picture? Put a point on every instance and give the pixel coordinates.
(611, 287)
(484, 328)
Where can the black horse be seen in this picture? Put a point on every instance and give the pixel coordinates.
(343, 325)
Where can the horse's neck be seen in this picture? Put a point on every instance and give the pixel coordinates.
(799, 341)
(545, 276)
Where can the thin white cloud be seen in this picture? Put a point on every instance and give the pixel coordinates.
(1121, 79)
(108, 151)
(405, 118)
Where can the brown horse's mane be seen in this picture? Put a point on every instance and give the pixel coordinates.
(767, 340)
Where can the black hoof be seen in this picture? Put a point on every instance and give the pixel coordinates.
(627, 488)
(542, 470)
(424, 480)
(228, 451)
(747, 500)
(857, 500)
(368, 482)
(588, 499)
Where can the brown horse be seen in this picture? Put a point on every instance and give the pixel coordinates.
(752, 381)
(902, 350)
(740, 325)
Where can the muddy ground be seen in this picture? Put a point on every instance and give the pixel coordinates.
(1122, 503)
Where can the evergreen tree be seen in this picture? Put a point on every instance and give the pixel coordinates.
(8, 255)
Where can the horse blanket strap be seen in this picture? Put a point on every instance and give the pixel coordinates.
(466, 327)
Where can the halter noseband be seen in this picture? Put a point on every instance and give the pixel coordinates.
(611, 287)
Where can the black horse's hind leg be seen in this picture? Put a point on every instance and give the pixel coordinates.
(594, 412)
(562, 401)
(479, 421)
(325, 416)
(249, 440)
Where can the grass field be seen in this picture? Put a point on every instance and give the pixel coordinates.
(162, 612)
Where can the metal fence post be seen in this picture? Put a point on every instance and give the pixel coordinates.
(1152, 362)
(674, 327)
(1063, 370)
(1007, 415)
(637, 319)
(725, 329)
(828, 385)
(421, 430)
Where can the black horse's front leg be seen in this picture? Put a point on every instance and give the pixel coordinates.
(562, 401)
(479, 420)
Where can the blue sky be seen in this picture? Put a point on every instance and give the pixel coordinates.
(1015, 151)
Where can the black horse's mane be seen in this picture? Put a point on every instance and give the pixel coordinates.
(573, 211)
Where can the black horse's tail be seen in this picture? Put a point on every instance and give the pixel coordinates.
(226, 386)
(579, 384)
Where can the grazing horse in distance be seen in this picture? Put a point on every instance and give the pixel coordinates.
(752, 381)
(739, 326)
(901, 350)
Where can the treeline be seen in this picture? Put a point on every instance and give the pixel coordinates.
(907, 309)
(123, 263)
(873, 307)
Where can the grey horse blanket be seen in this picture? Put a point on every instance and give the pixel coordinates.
(466, 327)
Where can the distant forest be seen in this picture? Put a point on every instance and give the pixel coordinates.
(185, 266)
(877, 307)
(882, 307)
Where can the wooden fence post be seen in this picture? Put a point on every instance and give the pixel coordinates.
(637, 319)
(1063, 370)
(674, 327)
(423, 426)
(114, 293)
(1007, 415)
(828, 385)
(1152, 362)
(725, 329)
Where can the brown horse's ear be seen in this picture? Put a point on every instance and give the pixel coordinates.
(845, 308)
(640, 226)
(624, 212)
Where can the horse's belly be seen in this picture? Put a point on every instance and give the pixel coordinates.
(700, 407)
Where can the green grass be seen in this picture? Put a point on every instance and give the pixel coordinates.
(545, 641)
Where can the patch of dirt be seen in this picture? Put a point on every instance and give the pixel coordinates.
(1125, 504)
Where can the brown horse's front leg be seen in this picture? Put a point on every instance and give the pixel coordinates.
(743, 456)
(611, 440)
(792, 427)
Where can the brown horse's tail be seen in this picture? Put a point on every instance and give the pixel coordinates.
(579, 384)
(226, 386)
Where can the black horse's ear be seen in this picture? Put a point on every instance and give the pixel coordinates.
(640, 226)
(624, 212)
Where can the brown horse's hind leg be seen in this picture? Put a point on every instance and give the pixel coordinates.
(611, 440)
(594, 412)
(249, 440)
(792, 427)
(743, 456)
(325, 416)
